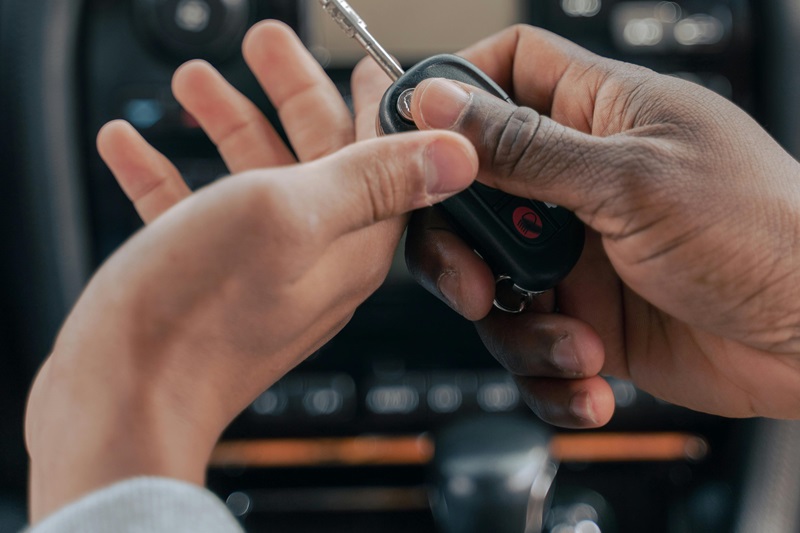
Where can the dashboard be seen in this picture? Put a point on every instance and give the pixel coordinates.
(348, 440)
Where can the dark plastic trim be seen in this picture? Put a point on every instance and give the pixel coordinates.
(782, 71)
(771, 492)
(49, 238)
(771, 489)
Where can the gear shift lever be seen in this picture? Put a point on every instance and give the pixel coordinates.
(492, 474)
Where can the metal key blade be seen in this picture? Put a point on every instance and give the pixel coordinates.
(356, 29)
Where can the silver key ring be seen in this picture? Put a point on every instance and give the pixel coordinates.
(525, 297)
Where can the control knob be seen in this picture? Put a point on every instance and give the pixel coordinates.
(211, 29)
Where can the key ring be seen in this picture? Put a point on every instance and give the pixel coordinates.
(525, 297)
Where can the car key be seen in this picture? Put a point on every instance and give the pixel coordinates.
(529, 245)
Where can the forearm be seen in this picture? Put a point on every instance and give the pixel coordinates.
(84, 434)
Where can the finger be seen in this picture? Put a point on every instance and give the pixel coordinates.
(530, 155)
(547, 60)
(148, 179)
(369, 83)
(447, 267)
(593, 294)
(244, 137)
(542, 344)
(380, 179)
(312, 111)
(570, 403)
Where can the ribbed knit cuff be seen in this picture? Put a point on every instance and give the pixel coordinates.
(145, 504)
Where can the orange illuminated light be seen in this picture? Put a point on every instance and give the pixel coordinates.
(418, 450)
(353, 451)
(628, 447)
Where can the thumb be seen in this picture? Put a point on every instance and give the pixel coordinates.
(521, 152)
(379, 179)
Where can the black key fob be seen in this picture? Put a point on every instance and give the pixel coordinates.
(533, 244)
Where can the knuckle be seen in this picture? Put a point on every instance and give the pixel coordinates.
(538, 405)
(383, 190)
(498, 343)
(512, 141)
(258, 206)
(267, 210)
(523, 33)
(560, 158)
(514, 364)
(635, 162)
(243, 126)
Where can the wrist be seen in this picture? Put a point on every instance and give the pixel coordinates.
(85, 434)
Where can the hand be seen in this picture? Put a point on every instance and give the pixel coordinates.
(228, 288)
(690, 281)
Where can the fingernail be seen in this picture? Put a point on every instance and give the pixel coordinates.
(441, 104)
(565, 356)
(448, 287)
(581, 407)
(448, 167)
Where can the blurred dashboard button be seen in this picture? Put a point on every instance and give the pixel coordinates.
(322, 402)
(328, 396)
(393, 399)
(498, 394)
(444, 398)
(191, 28)
(699, 30)
(625, 394)
(581, 8)
(666, 28)
(143, 113)
(270, 403)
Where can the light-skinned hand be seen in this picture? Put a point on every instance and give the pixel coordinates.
(228, 288)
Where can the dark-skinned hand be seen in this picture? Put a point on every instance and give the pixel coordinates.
(689, 284)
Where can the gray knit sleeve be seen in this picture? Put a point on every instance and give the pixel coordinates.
(140, 505)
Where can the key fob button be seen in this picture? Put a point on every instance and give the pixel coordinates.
(527, 222)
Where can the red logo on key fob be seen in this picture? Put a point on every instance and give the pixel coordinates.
(527, 222)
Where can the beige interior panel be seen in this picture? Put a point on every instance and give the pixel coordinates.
(410, 30)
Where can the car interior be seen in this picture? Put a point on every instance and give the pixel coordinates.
(405, 406)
